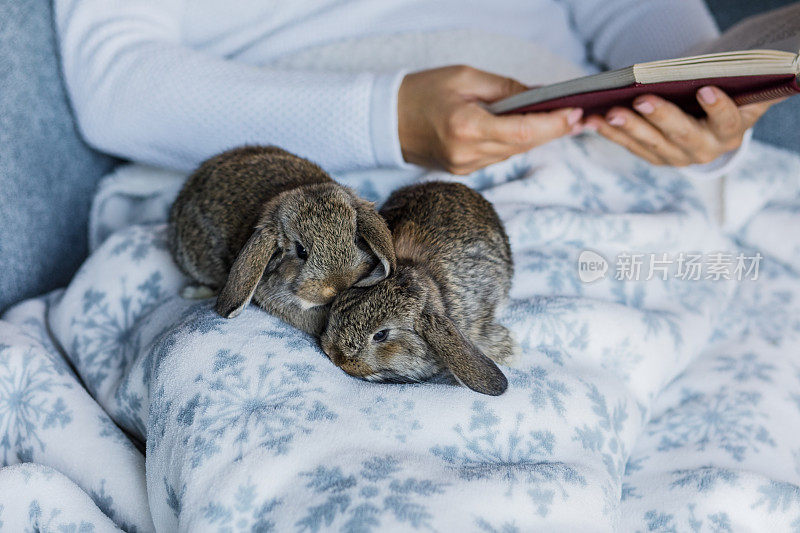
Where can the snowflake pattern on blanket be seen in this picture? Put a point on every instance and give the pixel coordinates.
(660, 405)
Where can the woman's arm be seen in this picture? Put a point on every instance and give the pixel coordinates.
(139, 93)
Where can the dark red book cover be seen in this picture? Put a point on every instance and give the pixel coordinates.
(743, 89)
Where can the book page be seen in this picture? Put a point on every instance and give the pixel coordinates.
(776, 30)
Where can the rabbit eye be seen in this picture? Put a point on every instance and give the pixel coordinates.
(381, 335)
(301, 252)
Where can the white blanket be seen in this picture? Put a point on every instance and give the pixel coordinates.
(667, 405)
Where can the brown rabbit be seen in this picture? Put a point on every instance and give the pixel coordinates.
(260, 223)
(437, 311)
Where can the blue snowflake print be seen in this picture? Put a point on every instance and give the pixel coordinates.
(517, 458)
(629, 490)
(129, 401)
(728, 420)
(544, 391)
(245, 514)
(586, 191)
(765, 315)
(109, 430)
(28, 404)
(393, 418)
(660, 522)
(704, 479)
(292, 338)
(656, 321)
(552, 323)
(694, 296)
(655, 192)
(359, 501)
(481, 180)
(52, 522)
(621, 360)
(105, 502)
(745, 368)
(197, 318)
(239, 410)
(667, 523)
(717, 522)
(778, 496)
(108, 340)
(556, 266)
(557, 226)
(159, 417)
(174, 497)
(604, 438)
(139, 241)
(486, 526)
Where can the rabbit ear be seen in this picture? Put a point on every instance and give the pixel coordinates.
(466, 362)
(246, 272)
(373, 229)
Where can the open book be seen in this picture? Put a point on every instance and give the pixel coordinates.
(756, 60)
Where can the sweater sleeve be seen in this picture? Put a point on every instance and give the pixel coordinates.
(620, 33)
(139, 93)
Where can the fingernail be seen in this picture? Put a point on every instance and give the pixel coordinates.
(644, 107)
(616, 120)
(590, 127)
(574, 116)
(707, 95)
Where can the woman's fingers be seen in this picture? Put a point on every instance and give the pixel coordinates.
(683, 130)
(662, 133)
(723, 117)
(531, 129)
(484, 138)
(620, 137)
(647, 136)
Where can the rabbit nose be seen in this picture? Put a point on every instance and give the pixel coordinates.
(328, 292)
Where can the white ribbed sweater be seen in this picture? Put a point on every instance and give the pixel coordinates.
(170, 83)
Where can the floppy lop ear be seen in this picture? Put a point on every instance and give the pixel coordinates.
(466, 362)
(246, 272)
(373, 229)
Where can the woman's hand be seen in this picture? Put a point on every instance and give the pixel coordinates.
(441, 122)
(663, 134)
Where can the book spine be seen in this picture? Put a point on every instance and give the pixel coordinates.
(773, 93)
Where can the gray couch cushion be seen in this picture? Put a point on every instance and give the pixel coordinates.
(47, 173)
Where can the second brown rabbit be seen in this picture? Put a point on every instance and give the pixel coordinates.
(436, 312)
